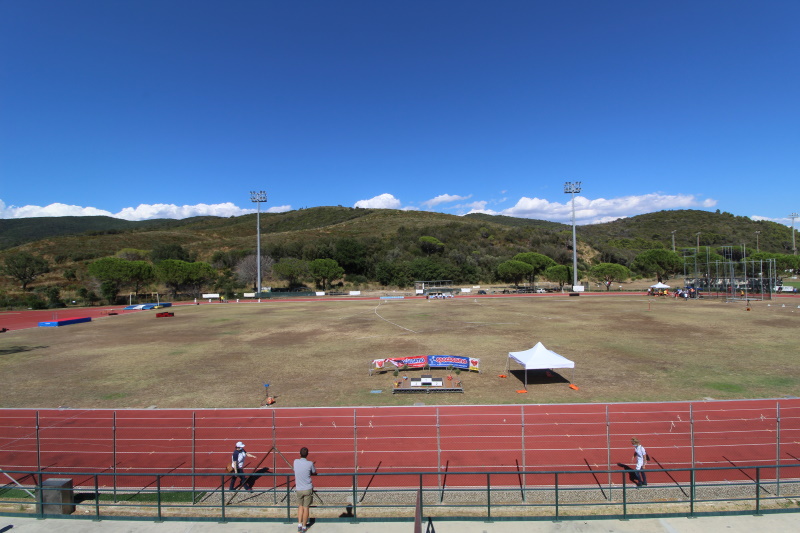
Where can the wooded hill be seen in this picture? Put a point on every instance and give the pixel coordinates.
(372, 244)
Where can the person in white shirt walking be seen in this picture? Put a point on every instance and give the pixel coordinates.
(640, 456)
(303, 470)
(237, 462)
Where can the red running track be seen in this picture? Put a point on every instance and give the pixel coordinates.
(446, 439)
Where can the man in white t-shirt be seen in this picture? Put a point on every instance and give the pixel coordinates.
(640, 456)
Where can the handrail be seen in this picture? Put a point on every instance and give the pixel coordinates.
(749, 488)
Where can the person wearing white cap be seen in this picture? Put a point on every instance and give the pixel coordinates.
(237, 462)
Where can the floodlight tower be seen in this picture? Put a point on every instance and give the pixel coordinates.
(757, 240)
(572, 188)
(794, 248)
(258, 197)
(698, 241)
(673, 239)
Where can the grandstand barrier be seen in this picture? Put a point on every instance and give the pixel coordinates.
(490, 495)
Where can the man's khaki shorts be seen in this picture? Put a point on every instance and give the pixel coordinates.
(305, 498)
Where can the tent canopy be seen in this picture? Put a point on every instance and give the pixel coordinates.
(539, 357)
(659, 285)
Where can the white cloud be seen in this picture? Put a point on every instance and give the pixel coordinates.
(141, 212)
(52, 210)
(598, 210)
(147, 211)
(444, 199)
(783, 220)
(382, 201)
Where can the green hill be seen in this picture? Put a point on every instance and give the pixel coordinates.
(382, 244)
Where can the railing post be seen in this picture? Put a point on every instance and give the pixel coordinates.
(222, 500)
(96, 499)
(420, 492)
(557, 499)
(114, 448)
(158, 496)
(38, 445)
(692, 487)
(288, 494)
(524, 462)
(778, 450)
(624, 495)
(355, 499)
(194, 453)
(40, 489)
(489, 497)
(758, 491)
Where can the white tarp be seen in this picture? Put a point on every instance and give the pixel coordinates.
(539, 358)
(659, 285)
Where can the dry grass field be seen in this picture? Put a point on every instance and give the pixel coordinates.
(626, 348)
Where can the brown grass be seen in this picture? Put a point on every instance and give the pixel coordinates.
(626, 348)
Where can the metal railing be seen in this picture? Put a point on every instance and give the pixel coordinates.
(354, 497)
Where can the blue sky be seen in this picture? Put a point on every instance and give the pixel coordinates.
(153, 109)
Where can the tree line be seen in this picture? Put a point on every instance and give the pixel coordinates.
(333, 263)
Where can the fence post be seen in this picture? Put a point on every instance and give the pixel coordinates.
(778, 449)
(608, 452)
(114, 452)
(691, 431)
(489, 497)
(355, 440)
(158, 496)
(758, 491)
(692, 494)
(557, 498)
(288, 498)
(524, 465)
(222, 500)
(274, 462)
(355, 499)
(439, 452)
(194, 452)
(38, 445)
(96, 499)
(624, 496)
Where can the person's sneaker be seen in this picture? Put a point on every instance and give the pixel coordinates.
(304, 529)
(300, 529)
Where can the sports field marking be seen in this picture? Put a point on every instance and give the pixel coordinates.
(389, 321)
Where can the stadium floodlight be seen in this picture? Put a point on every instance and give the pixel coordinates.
(572, 188)
(794, 248)
(257, 197)
(698, 241)
(757, 240)
(673, 239)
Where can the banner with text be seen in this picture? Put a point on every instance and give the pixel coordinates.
(432, 361)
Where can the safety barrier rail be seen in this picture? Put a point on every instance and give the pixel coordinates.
(392, 496)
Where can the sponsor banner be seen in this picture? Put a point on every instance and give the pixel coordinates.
(417, 361)
(443, 361)
(433, 361)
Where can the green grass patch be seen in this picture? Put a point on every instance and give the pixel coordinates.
(114, 396)
(732, 388)
(14, 494)
(178, 496)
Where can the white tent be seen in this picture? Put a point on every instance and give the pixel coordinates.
(659, 285)
(539, 358)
